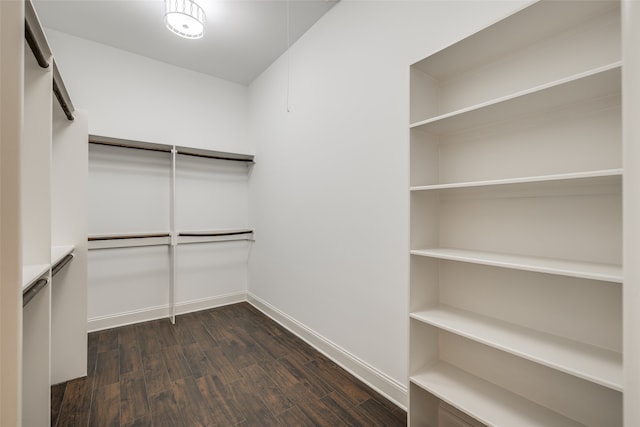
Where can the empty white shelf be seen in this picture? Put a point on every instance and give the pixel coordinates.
(587, 178)
(585, 270)
(591, 363)
(59, 252)
(31, 273)
(509, 35)
(484, 401)
(592, 84)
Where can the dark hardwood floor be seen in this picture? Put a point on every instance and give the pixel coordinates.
(229, 366)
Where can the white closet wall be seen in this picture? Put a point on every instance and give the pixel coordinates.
(328, 194)
(129, 189)
(133, 97)
(130, 194)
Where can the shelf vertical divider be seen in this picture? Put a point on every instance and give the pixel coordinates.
(174, 238)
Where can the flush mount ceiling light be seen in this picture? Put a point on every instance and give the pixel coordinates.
(185, 18)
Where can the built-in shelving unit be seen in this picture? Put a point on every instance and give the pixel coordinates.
(516, 222)
(53, 205)
(170, 161)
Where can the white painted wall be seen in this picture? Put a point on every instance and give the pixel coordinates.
(133, 97)
(329, 192)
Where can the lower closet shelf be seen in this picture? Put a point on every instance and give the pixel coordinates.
(484, 401)
(31, 273)
(585, 361)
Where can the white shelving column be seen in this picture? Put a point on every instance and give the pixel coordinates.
(11, 106)
(631, 141)
(516, 223)
(36, 239)
(69, 189)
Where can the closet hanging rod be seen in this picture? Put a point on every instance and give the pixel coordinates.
(123, 143)
(60, 91)
(30, 293)
(64, 261)
(37, 42)
(127, 236)
(35, 36)
(220, 156)
(214, 233)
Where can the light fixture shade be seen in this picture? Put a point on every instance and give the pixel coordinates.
(185, 18)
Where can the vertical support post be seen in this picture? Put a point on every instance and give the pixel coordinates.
(11, 106)
(174, 239)
(631, 209)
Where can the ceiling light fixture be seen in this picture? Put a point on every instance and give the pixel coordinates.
(184, 18)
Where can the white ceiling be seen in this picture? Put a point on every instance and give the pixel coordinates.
(242, 37)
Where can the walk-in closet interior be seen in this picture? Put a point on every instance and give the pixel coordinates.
(373, 212)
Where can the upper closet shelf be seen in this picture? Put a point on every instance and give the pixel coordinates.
(510, 35)
(31, 273)
(151, 146)
(579, 88)
(585, 270)
(588, 362)
(585, 178)
(484, 401)
(204, 236)
(110, 241)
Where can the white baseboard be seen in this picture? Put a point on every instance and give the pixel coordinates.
(159, 312)
(379, 381)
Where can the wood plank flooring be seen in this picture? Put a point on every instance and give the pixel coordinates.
(228, 366)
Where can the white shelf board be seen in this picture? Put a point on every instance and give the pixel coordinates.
(31, 273)
(531, 24)
(59, 252)
(597, 83)
(484, 401)
(590, 363)
(588, 176)
(584, 270)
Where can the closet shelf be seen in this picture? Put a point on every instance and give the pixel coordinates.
(585, 270)
(588, 362)
(484, 401)
(204, 236)
(31, 273)
(130, 240)
(586, 178)
(509, 35)
(597, 83)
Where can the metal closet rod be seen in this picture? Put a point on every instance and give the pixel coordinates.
(164, 148)
(127, 236)
(212, 234)
(38, 43)
(33, 291)
(64, 261)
